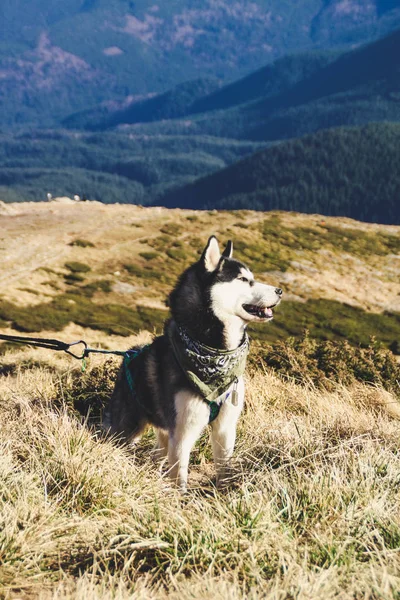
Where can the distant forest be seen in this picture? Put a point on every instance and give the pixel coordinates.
(109, 167)
(346, 171)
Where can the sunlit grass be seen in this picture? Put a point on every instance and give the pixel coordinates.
(312, 510)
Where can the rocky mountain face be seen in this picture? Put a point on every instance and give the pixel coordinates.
(58, 58)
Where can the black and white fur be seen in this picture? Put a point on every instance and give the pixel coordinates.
(214, 300)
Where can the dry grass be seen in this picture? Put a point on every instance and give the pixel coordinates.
(313, 510)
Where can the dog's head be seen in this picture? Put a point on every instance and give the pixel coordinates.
(233, 289)
(217, 297)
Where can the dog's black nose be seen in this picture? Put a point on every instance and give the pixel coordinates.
(278, 291)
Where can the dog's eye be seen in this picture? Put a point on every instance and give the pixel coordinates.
(244, 279)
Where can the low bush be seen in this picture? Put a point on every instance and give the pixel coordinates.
(82, 243)
(77, 267)
(141, 272)
(177, 254)
(148, 255)
(74, 277)
(323, 363)
(78, 307)
(171, 229)
(329, 320)
(88, 393)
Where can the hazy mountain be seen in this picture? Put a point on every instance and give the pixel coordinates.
(342, 172)
(202, 96)
(172, 104)
(266, 82)
(293, 96)
(61, 57)
(360, 86)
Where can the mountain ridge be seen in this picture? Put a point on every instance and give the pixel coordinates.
(293, 96)
(338, 172)
(102, 51)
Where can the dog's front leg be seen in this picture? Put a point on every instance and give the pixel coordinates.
(192, 415)
(223, 435)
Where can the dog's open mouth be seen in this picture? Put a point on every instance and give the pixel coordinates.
(261, 312)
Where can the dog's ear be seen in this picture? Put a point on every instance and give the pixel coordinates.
(228, 250)
(211, 255)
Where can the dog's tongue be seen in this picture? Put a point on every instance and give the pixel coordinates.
(268, 312)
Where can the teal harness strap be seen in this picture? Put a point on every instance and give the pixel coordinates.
(215, 407)
(214, 411)
(129, 356)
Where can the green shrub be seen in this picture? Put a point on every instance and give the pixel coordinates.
(82, 243)
(53, 285)
(74, 277)
(77, 267)
(88, 392)
(141, 272)
(159, 243)
(171, 229)
(329, 320)
(263, 256)
(103, 286)
(148, 255)
(241, 225)
(90, 289)
(319, 362)
(47, 270)
(177, 254)
(78, 307)
(30, 291)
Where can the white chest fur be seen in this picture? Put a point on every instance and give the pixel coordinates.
(192, 416)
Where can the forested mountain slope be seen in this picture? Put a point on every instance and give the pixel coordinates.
(357, 87)
(177, 102)
(205, 95)
(110, 167)
(345, 171)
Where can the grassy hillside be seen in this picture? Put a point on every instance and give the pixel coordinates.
(153, 155)
(350, 172)
(359, 87)
(107, 167)
(111, 268)
(312, 506)
(33, 184)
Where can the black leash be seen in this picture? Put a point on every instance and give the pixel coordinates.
(57, 345)
(129, 355)
(51, 344)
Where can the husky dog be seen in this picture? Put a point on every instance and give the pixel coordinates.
(193, 374)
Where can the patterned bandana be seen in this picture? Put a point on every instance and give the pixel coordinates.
(210, 370)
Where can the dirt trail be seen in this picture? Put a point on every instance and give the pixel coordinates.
(37, 235)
